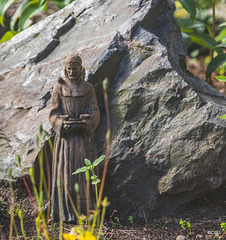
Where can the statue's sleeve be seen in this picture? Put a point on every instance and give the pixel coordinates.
(55, 112)
(94, 111)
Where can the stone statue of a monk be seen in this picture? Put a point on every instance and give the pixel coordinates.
(74, 116)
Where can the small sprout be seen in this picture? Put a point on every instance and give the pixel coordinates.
(131, 219)
(18, 159)
(20, 214)
(58, 183)
(117, 223)
(105, 202)
(46, 133)
(88, 162)
(98, 160)
(222, 117)
(95, 181)
(87, 175)
(40, 129)
(105, 84)
(223, 227)
(37, 220)
(108, 136)
(77, 187)
(82, 219)
(10, 172)
(31, 172)
(41, 196)
(37, 138)
(185, 225)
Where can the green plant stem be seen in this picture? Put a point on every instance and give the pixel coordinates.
(60, 208)
(39, 204)
(11, 211)
(37, 222)
(102, 219)
(105, 88)
(96, 213)
(96, 189)
(108, 145)
(88, 196)
(41, 169)
(49, 181)
(22, 228)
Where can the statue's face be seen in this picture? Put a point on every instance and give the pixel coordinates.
(73, 72)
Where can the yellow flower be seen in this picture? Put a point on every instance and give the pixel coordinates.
(180, 12)
(68, 236)
(88, 236)
(178, 4)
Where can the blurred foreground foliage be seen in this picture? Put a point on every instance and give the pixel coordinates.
(21, 19)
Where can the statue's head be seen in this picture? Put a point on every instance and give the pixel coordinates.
(73, 67)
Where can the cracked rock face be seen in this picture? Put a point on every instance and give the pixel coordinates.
(168, 146)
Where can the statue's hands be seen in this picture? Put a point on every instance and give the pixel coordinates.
(77, 127)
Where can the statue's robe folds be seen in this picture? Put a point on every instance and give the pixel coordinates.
(72, 148)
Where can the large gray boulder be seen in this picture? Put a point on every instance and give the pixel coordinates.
(168, 144)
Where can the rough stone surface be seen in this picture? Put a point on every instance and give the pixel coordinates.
(168, 146)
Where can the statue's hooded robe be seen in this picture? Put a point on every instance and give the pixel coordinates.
(70, 150)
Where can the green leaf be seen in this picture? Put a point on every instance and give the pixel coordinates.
(4, 5)
(215, 63)
(189, 5)
(87, 162)
(221, 78)
(31, 9)
(93, 177)
(187, 23)
(42, 2)
(186, 39)
(98, 160)
(222, 117)
(95, 181)
(79, 170)
(18, 13)
(60, 4)
(210, 29)
(194, 53)
(221, 35)
(220, 45)
(223, 24)
(2, 21)
(7, 36)
(205, 40)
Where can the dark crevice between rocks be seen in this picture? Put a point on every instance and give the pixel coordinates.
(67, 24)
(45, 99)
(107, 65)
